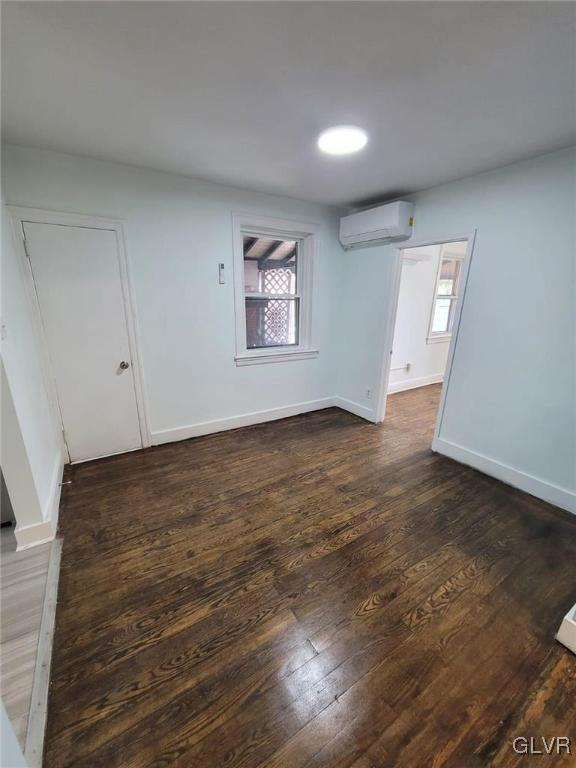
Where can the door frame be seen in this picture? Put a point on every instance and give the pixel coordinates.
(21, 215)
(382, 389)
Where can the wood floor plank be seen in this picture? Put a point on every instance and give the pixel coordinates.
(317, 592)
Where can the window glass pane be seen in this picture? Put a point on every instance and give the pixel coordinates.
(270, 266)
(448, 282)
(442, 313)
(271, 322)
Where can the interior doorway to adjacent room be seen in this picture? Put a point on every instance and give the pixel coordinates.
(429, 288)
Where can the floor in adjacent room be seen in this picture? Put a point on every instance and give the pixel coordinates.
(23, 575)
(317, 591)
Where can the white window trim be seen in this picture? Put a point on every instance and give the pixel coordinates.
(443, 336)
(307, 234)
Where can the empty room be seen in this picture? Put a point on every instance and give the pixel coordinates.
(288, 415)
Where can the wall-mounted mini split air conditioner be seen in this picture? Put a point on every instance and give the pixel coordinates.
(385, 224)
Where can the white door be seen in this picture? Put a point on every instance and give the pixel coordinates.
(77, 277)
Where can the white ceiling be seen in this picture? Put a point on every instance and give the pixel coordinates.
(237, 92)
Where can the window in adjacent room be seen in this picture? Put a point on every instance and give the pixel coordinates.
(447, 290)
(273, 292)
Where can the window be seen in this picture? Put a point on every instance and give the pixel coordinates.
(273, 268)
(270, 291)
(446, 291)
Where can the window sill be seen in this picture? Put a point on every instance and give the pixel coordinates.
(260, 358)
(439, 339)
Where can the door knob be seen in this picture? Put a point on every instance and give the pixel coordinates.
(124, 365)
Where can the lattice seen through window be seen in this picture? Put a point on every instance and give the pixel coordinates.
(278, 280)
(272, 302)
(277, 316)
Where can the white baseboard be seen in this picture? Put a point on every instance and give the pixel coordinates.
(355, 408)
(40, 533)
(235, 422)
(554, 494)
(567, 632)
(423, 381)
(32, 535)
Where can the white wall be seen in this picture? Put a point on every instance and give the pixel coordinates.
(510, 404)
(415, 298)
(31, 445)
(177, 231)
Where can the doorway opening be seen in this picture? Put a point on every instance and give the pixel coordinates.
(426, 304)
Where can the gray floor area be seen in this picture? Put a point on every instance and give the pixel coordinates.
(23, 584)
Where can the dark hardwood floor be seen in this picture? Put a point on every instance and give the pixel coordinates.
(316, 592)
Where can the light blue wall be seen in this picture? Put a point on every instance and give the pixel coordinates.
(177, 231)
(512, 391)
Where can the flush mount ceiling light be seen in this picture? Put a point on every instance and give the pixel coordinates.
(342, 140)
